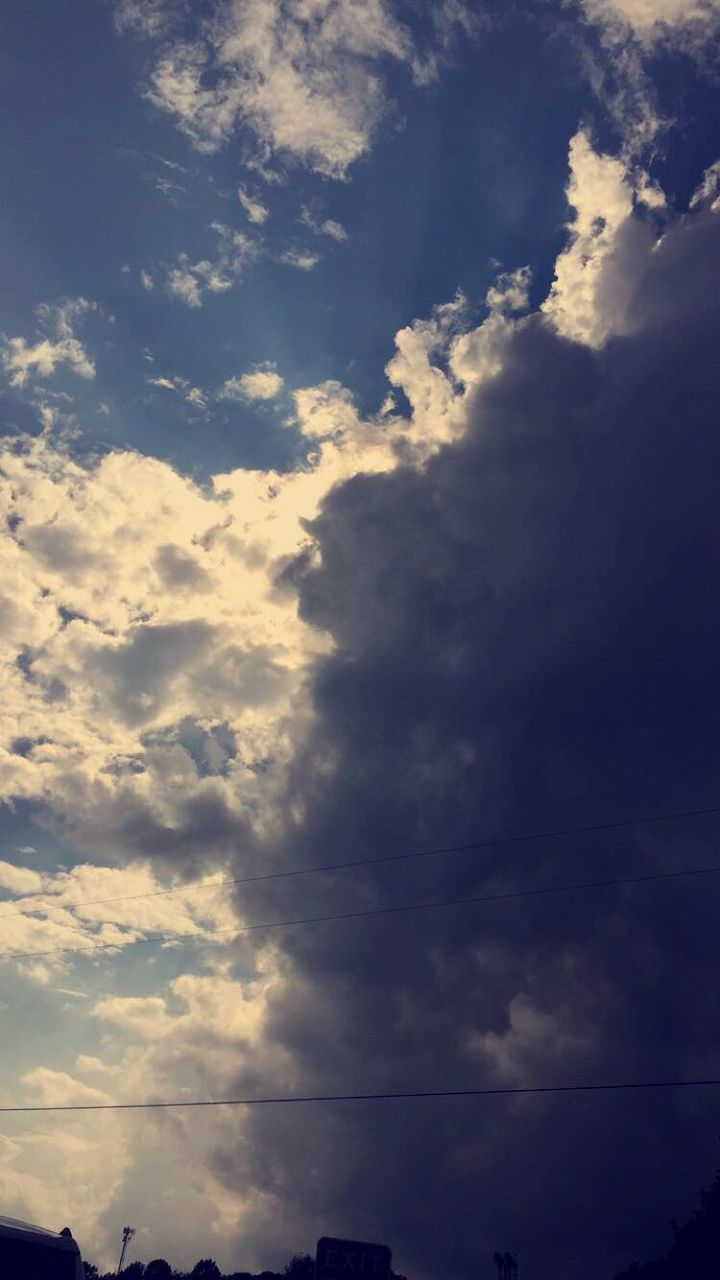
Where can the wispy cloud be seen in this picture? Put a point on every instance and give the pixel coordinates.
(256, 211)
(323, 226)
(303, 259)
(182, 387)
(190, 281)
(147, 17)
(57, 345)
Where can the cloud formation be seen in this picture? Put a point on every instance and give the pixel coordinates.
(491, 615)
(190, 282)
(307, 82)
(632, 32)
(522, 637)
(57, 345)
(261, 383)
(658, 19)
(323, 226)
(148, 17)
(256, 211)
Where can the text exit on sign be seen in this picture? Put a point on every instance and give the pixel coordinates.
(351, 1260)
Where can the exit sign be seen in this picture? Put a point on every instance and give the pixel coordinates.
(351, 1260)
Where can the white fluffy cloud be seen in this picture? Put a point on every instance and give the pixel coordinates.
(261, 383)
(510, 291)
(306, 81)
(56, 345)
(96, 906)
(119, 586)
(589, 296)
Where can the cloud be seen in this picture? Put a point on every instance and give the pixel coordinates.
(657, 19)
(632, 32)
(522, 637)
(300, 258)
(708, 191)
(19, 879)
(323, 226)
(190, 282)
(307, 83)
(125, 655)
(190, 1039)
(510, 292)
(261, 383)
(58, 345)
(147, 17)
(256, 211)
(594, 279)
(193, 395)
(488, 616)
(107, 906)
(169, 189)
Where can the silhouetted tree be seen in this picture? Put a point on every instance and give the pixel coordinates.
(158, 1269)
(300, 1267)
(91, 1271)
(133, 1271)
(695, 1252)
(206, 1269)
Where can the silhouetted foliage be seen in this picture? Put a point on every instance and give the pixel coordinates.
(91, 1271)
(300, 1267)
(158, 1269)
(695, 1252)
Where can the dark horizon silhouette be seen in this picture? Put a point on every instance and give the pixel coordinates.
(694, 1254)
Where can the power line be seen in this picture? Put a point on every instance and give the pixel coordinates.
(368, 911)
(609, 1087)
(498, 842)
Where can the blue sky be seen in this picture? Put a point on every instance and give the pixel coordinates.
(351, 352)
(463, 172)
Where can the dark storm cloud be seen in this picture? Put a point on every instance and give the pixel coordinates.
(526, 637)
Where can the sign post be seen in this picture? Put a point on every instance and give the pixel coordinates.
(351, 1260)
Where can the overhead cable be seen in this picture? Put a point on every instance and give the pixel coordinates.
(499, 842)
(204, 940)
(510, 1091)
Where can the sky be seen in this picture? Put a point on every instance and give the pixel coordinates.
(359, 474)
